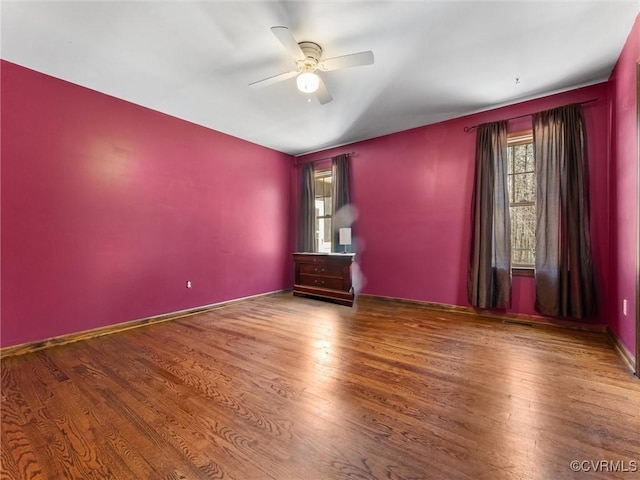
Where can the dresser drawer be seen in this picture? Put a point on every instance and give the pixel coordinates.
(321, 269)
(335, 283)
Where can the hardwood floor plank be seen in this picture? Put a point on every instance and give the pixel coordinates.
(284, 387)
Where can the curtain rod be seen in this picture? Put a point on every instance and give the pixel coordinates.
(349, 154)
(469, 129)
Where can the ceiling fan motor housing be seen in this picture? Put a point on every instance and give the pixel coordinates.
(312, 52)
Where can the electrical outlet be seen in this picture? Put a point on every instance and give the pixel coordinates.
(188, 283)
(624, 307)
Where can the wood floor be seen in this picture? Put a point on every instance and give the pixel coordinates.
(283, 388)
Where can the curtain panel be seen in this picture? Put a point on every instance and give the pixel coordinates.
(341, 215)
(307, 221)
(489, 274)
(564, 269)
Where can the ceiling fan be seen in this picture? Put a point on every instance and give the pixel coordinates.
(309, 62)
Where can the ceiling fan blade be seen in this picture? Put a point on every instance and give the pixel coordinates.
(271, 80)
(288, 42)
(322, 93)
(346, 61)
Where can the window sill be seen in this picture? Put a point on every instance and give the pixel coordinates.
(523, 272)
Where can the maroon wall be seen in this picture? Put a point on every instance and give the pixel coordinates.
(624, 168)
(109, 208)
(413, 194)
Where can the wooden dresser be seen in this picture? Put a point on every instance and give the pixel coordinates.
(324, 275)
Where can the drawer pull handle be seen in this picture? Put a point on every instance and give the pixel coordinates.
(319, 282)
(319, 270)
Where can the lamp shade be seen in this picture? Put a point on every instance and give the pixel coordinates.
(345, 236)
(308, 82)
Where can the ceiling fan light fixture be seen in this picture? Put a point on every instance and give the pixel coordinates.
(308, 82)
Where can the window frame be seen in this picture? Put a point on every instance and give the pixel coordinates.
(321, 174)
(515, 139)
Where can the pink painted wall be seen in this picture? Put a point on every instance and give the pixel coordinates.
(109, 208)
(413, 193)
(624, 166)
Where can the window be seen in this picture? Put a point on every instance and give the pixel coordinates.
(521, 176)
(323, 210)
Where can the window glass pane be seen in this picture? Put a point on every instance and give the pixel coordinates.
(523, 234)
(524, 188)
(327, 232)
(326, 192)
(323, 184)
(323, 210)
(324, 234)
(522, 197)
(520, 155)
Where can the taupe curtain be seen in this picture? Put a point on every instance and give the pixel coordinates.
(564, 269)
(489, 276)
(340, 199)
(307, 233)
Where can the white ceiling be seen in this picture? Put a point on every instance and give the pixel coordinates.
(434, 60)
